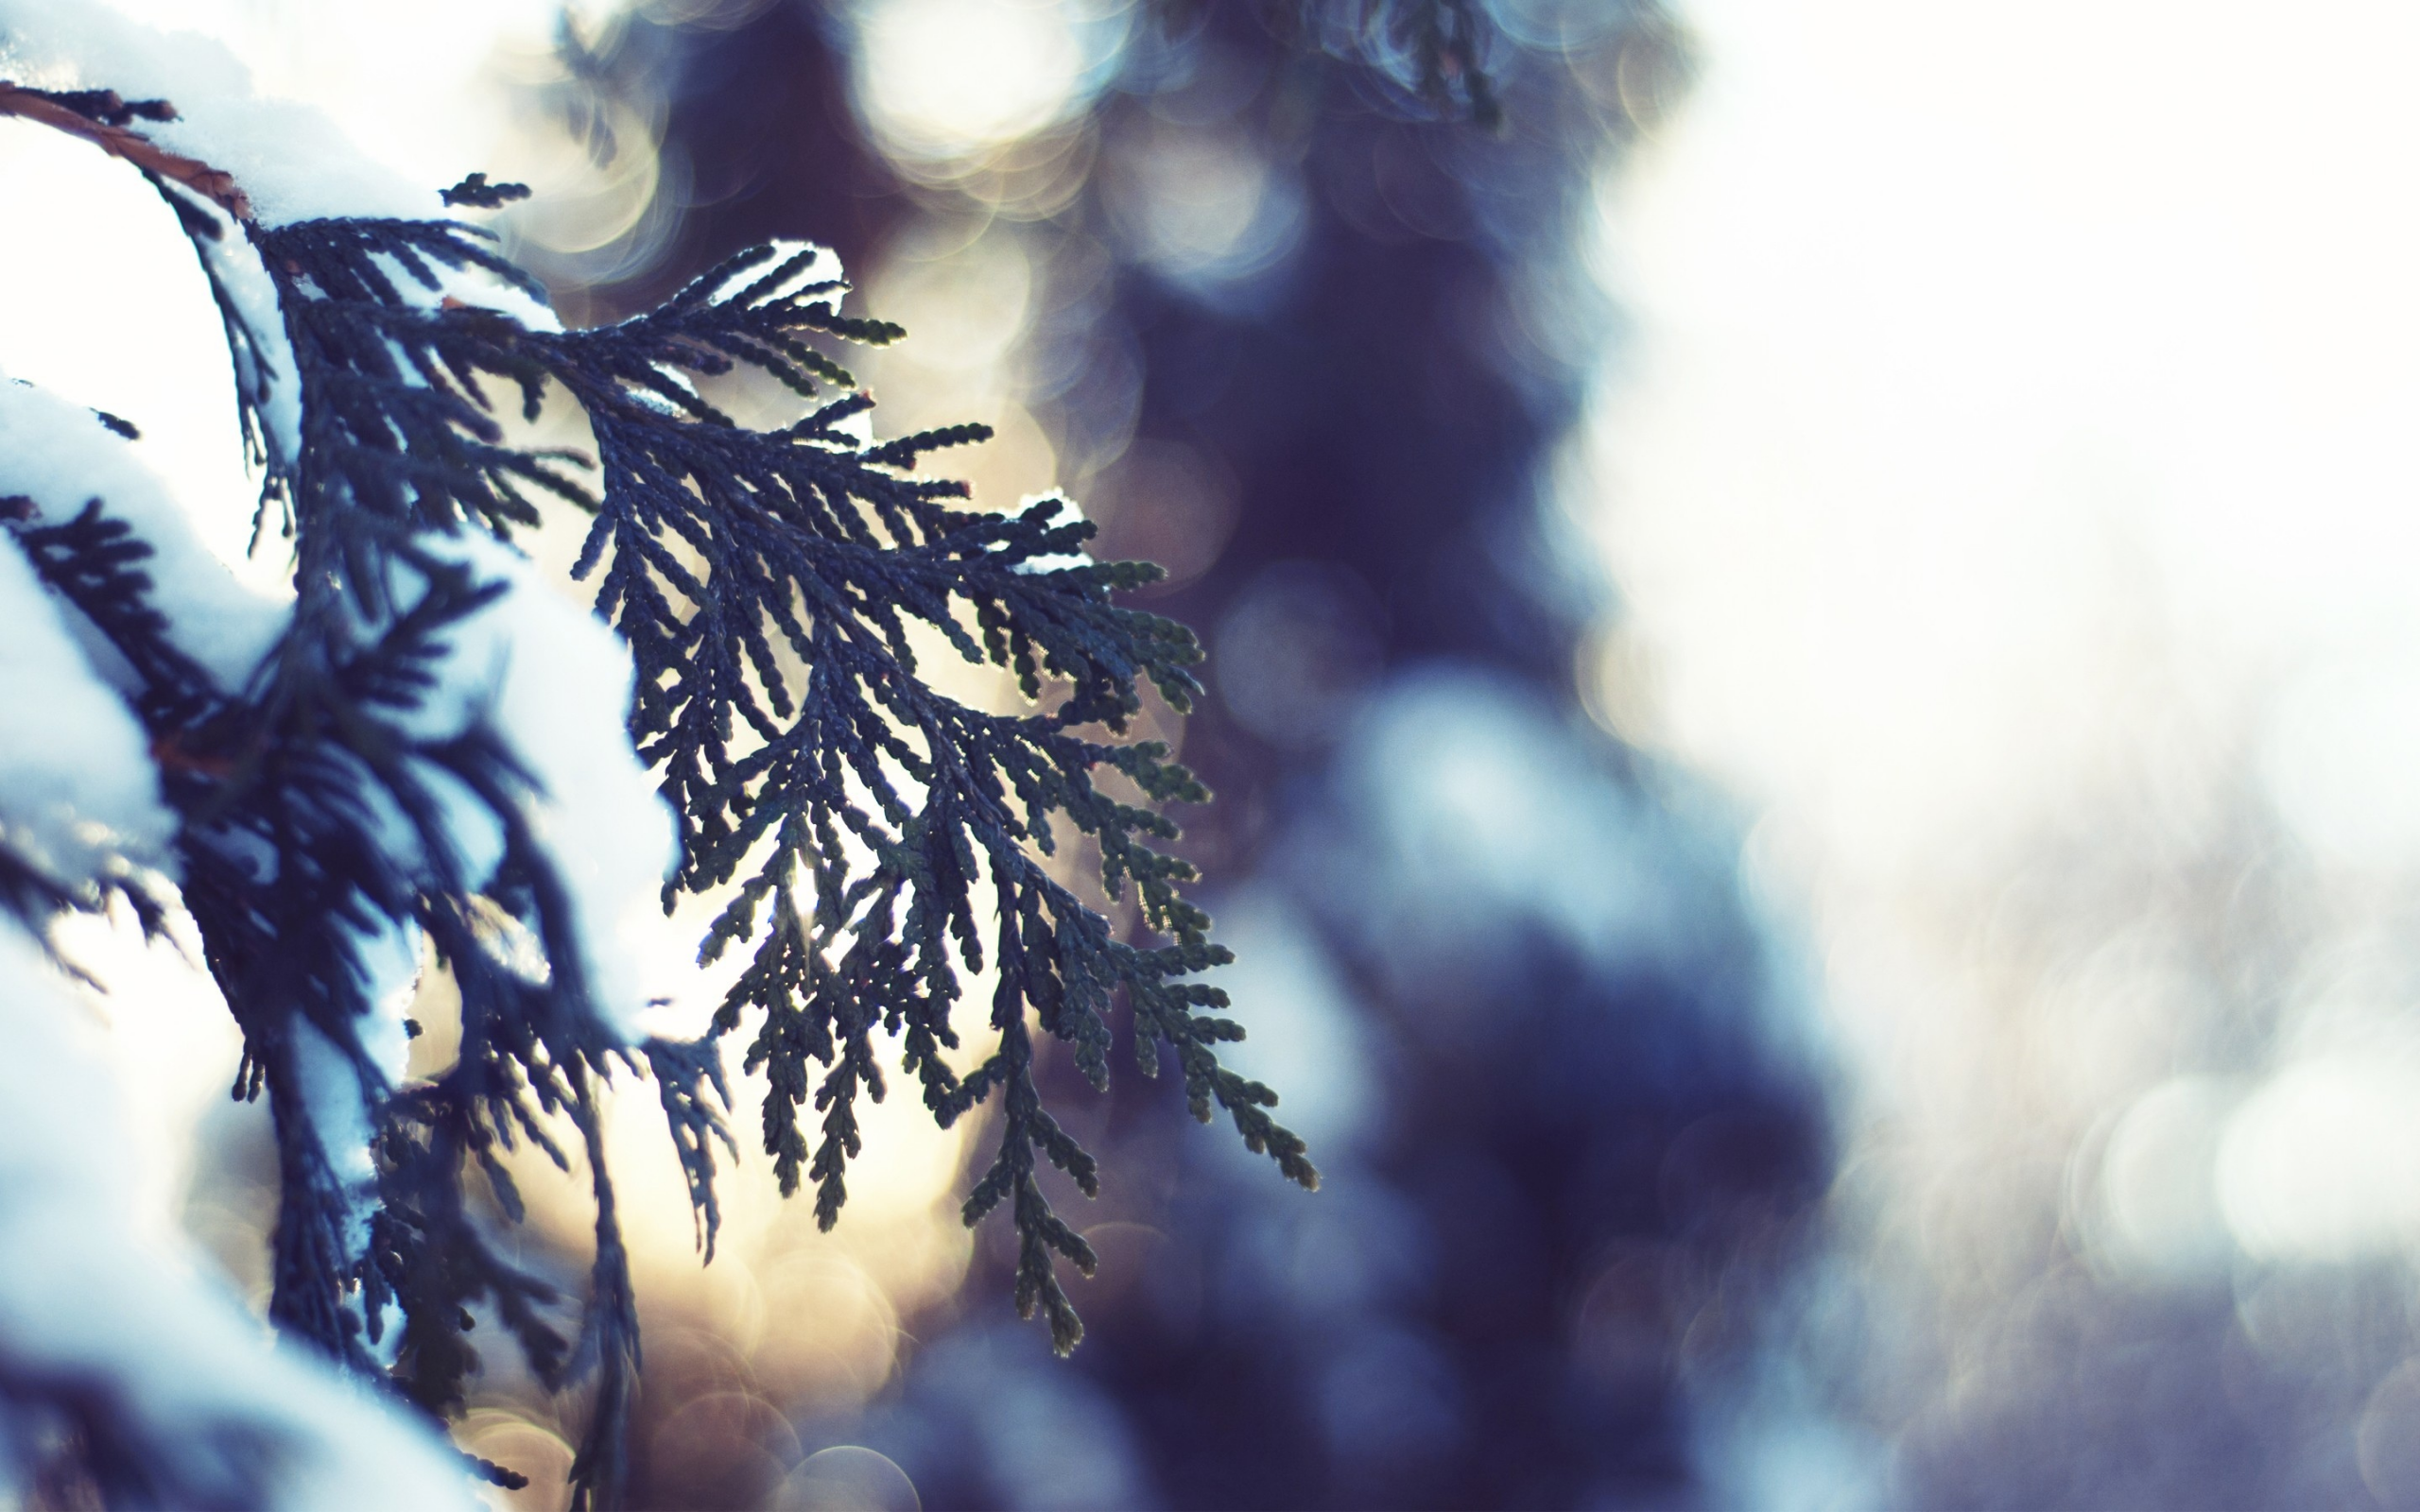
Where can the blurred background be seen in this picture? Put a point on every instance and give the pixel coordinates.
(1815, 700)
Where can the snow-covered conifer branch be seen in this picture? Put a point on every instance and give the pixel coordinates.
(425, 753)
(165, 1380)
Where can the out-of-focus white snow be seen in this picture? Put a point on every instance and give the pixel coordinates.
(60, 455)
(87, 1302)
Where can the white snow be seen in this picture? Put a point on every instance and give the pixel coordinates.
(86, 1299)
(482, 290)
(1064, 511)
(550, 681)
(76, 785)
(290, 160)
(80, 1296)
(60, 455)
(388, 963)
(266, 371)
(553, 682)
(826, 268)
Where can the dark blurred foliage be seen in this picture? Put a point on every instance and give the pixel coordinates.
(1584, 1157)
(758, 137)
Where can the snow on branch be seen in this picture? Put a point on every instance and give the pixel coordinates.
(79, 799)
(104, 1333)
(60, 113)
(281, 160)
(426, 753)
(57, 458)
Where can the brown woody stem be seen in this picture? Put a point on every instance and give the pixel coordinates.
(214, 184)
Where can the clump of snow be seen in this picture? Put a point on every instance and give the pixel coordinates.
(264, 360)
(58, 455)
(290, 161)
(480, 289)
(548, 678)
(386, 964)
(553, 684)
(87, 1304)
(76, 784)
(825, 268)
(1063, 511)
(290, 158)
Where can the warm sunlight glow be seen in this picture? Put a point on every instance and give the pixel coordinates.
(946, 79)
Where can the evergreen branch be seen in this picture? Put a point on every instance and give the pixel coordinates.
(768, 584)
(93, 562)
(852, 806)
(476, 192)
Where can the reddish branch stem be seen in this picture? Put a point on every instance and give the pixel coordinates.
(215, 184)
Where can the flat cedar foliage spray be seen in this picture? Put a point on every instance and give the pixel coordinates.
(424, 753)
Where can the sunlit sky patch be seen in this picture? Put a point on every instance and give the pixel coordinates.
(2022, 407)
(949, 79)
(1972, 334)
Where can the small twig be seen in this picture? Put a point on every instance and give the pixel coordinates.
(215, 184)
